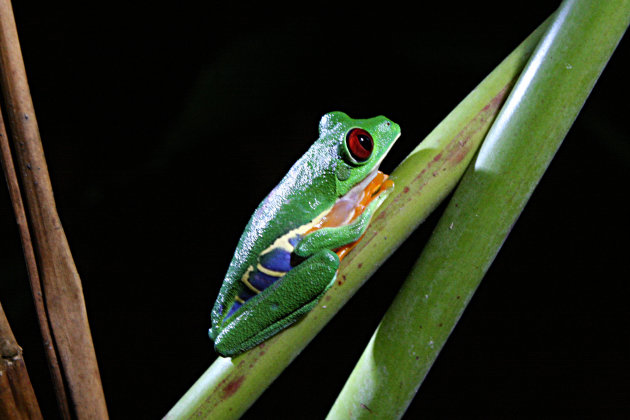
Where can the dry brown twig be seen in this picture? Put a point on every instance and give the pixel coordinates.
(17, 398)
(55, 268)
(33, 275)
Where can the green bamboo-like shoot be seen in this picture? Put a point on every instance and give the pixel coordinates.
(424, 178)
(519, 147)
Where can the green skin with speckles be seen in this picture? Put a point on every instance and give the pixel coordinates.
(323, 174)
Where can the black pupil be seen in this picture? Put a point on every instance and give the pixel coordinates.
(365, 142)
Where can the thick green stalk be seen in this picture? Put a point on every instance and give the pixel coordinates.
(519, 147)
(424, 178)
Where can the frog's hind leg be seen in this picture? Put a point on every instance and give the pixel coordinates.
(280, 305)
(284, 323)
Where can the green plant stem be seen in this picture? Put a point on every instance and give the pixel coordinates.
(519, 147)
(422, 180)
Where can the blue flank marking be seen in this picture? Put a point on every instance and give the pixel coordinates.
(247, 294)
(277, 260)
(261, 280)
(234, 309)
(294, 241)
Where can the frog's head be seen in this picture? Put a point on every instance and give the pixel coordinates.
(361, 146)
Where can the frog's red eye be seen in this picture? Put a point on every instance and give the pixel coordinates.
(360, 144)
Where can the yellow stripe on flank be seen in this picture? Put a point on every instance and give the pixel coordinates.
(269, 272)
(283, 241)
(245, 279)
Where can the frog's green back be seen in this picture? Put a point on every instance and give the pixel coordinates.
(306, 191)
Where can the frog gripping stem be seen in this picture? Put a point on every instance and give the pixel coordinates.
(290, 251)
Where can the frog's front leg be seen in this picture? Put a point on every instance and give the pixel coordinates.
(335, 237)
(280, 305)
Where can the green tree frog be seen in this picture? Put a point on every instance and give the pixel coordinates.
(289, 253)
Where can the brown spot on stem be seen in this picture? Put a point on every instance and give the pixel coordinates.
(460, 155)
(231, 388)
(366, 407)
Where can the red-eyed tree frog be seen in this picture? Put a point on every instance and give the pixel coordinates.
(289, 253)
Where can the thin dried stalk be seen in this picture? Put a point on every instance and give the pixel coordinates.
(17, 398)
(62, 288)
(31, 268)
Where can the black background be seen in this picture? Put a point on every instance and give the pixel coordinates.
(164, 127)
